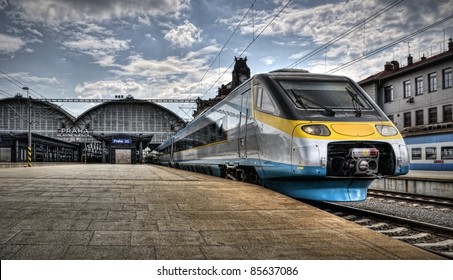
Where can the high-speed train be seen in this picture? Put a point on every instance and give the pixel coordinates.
(309, 136)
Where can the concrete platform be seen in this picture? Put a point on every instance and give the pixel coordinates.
(34, 164)
(429, 175)
(423, 182)
(153, 212)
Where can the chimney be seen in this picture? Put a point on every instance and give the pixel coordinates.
(396, 64)
(410, 60)
(450, 45)
(388, 66)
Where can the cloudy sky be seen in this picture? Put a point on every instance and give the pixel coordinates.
(177, 48)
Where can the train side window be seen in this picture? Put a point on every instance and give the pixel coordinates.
(416, 153)
(221, 131)
(264, 101)
(446, 152)
(212, 133)
(259, 97)
(430, 153)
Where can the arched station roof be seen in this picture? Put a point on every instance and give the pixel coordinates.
(132, 116)
(44, 115)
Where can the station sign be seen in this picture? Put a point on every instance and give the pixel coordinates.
(74, 134)
(73, 131)
(121, 141)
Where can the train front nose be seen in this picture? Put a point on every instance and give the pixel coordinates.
(308, 155)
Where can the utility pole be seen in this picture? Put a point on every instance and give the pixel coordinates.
(29, 128)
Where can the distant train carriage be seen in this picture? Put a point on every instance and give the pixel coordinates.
(431, 152)
(309, 136)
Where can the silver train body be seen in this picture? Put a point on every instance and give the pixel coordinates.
(309, 136)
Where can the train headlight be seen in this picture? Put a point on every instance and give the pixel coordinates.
(386, 130)
(316, 129)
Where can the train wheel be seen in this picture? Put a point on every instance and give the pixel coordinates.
(223, 173)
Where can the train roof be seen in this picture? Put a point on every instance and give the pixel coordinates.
(289, 70)
(302, 73)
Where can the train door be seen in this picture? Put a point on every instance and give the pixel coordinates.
(243, 121)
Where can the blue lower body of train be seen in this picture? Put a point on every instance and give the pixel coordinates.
(311, 183)
(308, 183)
(324, 190)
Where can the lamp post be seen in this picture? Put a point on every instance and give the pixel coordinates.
(29, 128)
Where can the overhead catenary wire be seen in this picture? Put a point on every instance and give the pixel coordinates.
(6, 94)
(11, 80)
(19, 84)
(248, 46)
(378, 50)
(346, 33)
(225, 44)
(220, 52)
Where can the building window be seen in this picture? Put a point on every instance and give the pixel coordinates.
(407, 119)
(419, 117)
(388, 94)
(432, 112)
(416, 153)
(430, 153)
(447, 78)
(407, 89)
(447, 113)
(432, 78)
(419, 86)
(391, 118)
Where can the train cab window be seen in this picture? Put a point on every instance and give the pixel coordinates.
(416, 153)
(430, 153)
(326, 96)
(264, 101)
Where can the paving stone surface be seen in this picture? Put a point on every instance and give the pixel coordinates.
(153, 212)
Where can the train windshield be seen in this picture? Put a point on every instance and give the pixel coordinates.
(330, 96)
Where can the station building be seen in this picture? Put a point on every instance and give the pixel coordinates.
(116, 131)
(418, 98)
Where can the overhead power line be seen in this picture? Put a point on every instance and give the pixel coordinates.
(4, 93)
(220, 52)
(223, 47)
(248, 46)
(376, 51)
(346, 33)
(19, 84)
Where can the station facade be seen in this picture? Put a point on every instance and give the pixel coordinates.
(116, 131)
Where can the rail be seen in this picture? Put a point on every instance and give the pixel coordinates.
(411, 197)
(430, 237)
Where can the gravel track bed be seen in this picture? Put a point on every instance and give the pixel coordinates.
(434, 215)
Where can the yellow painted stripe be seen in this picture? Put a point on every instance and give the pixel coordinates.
(291, 127)
(29, 156)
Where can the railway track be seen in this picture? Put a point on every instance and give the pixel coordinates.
(415, 198)
(434, 238)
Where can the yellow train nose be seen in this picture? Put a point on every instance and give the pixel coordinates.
(356, 130)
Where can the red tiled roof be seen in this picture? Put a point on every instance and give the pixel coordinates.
(421, 63)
